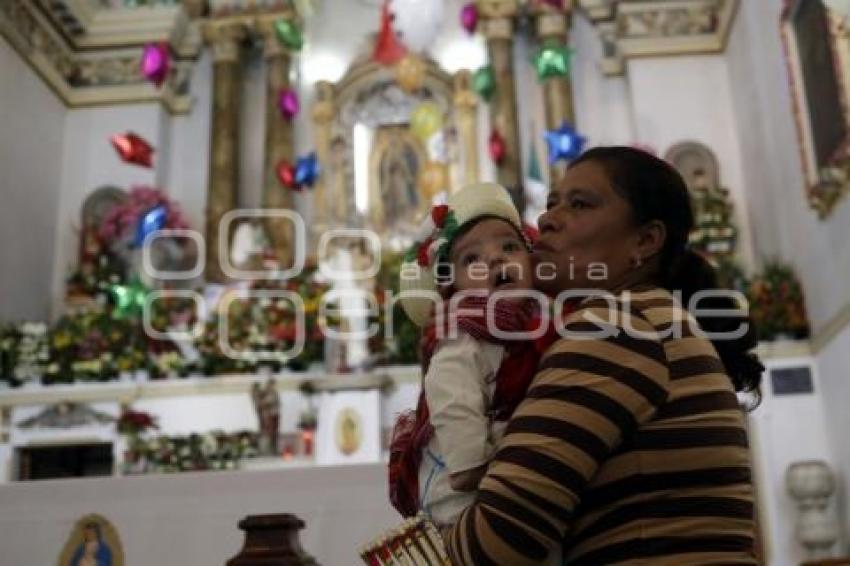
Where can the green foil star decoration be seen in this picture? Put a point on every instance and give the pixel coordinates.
(289, 34)
(484, 82)
(553, 60)
(129, 299)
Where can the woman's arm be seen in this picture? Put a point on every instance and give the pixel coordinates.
(587, 396)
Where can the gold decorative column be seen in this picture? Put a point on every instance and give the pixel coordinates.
(224, 149)
(466, 120)
(552, 27)
(324, 110)
(278, 146)
(498, 27)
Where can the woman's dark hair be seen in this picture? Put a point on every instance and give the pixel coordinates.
(656, 191)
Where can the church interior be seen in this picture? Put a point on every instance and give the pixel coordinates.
(201, 346)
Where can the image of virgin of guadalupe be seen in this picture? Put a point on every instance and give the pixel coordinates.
(93, 550)
(93, 542)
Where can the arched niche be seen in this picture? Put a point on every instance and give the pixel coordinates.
(372, 163)
(696, 163)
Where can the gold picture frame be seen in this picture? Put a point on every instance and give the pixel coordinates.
(817, 52)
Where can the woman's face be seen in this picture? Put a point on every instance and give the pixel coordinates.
(587, 235)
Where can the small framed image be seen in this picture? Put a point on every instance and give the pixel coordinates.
(817, 51)
(93, 542)
(349, 428)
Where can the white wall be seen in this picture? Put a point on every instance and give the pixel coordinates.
(190, 519)
(32, 119)
(786, 429)
(833, 365)
(676, 99)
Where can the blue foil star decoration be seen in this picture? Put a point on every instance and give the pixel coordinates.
(565, 143)
(152, 221)
(307, 170)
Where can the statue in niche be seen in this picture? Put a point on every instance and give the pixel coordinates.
(267, 405)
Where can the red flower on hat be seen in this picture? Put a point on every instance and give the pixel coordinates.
(422, 252)
(438, 214)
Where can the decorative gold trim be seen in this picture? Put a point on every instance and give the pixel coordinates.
(38, 43)
(656, 28)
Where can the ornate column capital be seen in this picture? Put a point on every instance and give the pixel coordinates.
(224, 39)
(264, 26)
(497, 18)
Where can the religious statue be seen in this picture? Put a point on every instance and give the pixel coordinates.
(267, 404)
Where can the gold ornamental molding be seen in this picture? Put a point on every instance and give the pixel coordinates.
(89, 56)
(653, 28)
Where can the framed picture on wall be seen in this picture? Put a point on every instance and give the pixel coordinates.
(817, 49)
(349, 427)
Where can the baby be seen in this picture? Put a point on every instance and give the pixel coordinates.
(475, 245)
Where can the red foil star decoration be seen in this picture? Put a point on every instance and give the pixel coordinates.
(388, 49)
(497, 147)
(438, 214)
(286, 174)
(133, 149)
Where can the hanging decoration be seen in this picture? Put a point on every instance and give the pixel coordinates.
(557, 4)
(426, 120)
(286, 174)
(289, 34)
(565, 143)
(469, 17)
(410, 72)
(156, 61)
(129, 299)
(388, 49)
(150, 222)
(288, 103)
(133, 149)
(498, 148)
(433, 179)
(552, 60)
(306, 170)
(416, 23)
(484, 82)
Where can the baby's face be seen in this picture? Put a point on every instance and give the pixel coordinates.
(491, 256)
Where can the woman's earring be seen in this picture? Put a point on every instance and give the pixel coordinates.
(637, 262)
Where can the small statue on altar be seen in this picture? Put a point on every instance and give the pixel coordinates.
(267, 404)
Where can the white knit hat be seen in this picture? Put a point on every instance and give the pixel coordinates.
(437, 232)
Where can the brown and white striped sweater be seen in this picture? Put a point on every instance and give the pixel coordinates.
(627, 449)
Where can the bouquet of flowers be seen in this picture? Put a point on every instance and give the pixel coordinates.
(134, 423)
(216, 450)
(265, 328)
(24, 355)
(776, 303)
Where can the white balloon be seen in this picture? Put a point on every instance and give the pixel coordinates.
(417, 22)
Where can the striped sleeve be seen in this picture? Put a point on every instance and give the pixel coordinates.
(588, 394)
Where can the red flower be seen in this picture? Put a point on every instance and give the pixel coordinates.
(438, 214)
